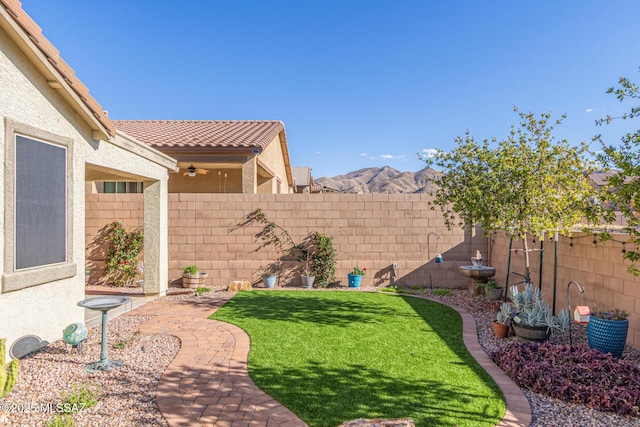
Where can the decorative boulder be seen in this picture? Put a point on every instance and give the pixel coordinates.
(239, 285)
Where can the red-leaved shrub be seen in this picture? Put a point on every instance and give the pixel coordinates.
(579, 375)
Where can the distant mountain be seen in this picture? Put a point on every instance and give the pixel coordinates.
(382, 180)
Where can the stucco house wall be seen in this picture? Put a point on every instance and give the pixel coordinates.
(34, 106)
(212, 182)
(273, 158)
(43, 310)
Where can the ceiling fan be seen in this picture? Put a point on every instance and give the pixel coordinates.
(192, 171)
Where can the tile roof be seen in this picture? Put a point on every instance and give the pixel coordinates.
(34, 32)
(601, 178)
(196, 134)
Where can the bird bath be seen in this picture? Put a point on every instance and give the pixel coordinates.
(103, 304)
(476, 274)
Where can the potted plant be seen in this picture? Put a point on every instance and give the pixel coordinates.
(269, 276)
(503, 320)
(323, 259)
(355, 276)
(607, 331)
(491, 289)
(192, 278)
(305, 275)
(533, 319)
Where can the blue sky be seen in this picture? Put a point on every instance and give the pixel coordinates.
(357, 83)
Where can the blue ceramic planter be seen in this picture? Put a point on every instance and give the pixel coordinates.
(354, 280)
(607, 336)
(269, 281)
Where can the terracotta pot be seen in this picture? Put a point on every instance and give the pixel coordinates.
(502, 331)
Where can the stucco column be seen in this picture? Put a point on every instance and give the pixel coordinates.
(156, 240)
(250, 176)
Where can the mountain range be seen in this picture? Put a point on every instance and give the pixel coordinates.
(382, 180)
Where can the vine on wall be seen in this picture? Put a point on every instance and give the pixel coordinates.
(122, 256)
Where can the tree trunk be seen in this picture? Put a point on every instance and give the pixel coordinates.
(527, 267)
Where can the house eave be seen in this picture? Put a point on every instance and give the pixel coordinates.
(129, 143)
(54, 78)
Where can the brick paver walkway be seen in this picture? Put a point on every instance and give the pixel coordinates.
(207, 384)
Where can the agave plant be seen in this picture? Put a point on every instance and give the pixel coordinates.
(505, 315)
(532, 310)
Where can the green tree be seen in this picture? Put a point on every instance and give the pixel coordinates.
(527, 184)
(622, 193)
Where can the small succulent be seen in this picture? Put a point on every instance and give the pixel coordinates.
(615, 314)
(505, 314)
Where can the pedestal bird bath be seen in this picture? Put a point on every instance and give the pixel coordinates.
(103, 304)
(476, 274)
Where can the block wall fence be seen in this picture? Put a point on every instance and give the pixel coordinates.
(600, 269)
(372, 231)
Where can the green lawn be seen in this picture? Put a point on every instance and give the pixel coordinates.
(336, 356)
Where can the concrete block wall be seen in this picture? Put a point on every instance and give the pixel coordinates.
(599, 268)
(372, 231)
(102, 209)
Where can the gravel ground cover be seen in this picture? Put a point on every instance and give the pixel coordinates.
(546, 411)
(126, 397)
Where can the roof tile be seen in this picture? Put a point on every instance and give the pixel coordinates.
(14, 7)
(167, 134)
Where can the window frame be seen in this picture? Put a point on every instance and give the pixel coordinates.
(12, 279)
(129, 187)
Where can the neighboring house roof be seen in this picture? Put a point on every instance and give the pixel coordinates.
(324, 189)
(601, 179)
(65, 78)
(168, 134)
(301, 175)
(174, 136)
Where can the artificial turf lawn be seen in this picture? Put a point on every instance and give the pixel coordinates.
(337, 356)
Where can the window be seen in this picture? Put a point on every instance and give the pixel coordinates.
(122, 187)
(38, 217)
(40, 203)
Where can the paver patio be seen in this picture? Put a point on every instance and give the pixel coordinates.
(207, 384)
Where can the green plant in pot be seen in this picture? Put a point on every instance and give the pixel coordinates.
(533, 319)
(491, 289)
(192, 278)
(503, 320)
(607, 331)
(270, 274)
(306, 277)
